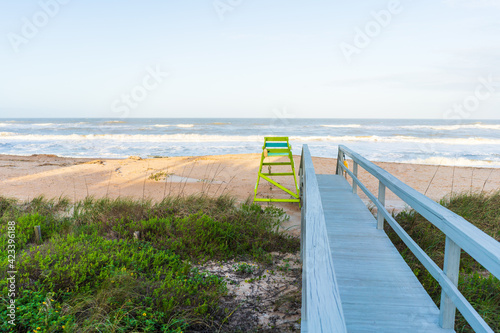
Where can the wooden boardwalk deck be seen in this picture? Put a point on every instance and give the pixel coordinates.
(378, 291)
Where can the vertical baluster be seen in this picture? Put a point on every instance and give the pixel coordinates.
(381, 198)
(340, 161)
(302, 205)
(303, 222)
(450, 268)
(355, 172)
(38, 234)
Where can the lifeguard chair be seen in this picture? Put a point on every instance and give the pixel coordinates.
(277, 146)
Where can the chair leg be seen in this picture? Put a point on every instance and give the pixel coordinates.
(295, 196)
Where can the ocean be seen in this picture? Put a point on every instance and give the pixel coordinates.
(443, 142)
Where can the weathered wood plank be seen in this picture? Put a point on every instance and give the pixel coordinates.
(448, 286)
(379, 292)
(374, 290)
(381, 199)
(451, 269)
(321, 304)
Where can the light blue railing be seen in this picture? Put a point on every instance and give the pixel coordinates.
(460, 234)
(321, 305)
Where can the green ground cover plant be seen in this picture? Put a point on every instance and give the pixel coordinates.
(160, 175)
(477, 285)
(91, 274)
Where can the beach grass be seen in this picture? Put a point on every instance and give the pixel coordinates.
(120, 265)
(478, 286)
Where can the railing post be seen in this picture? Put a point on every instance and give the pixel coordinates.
(303, 257)
(355, 172)
(451, 269)
(301, 176)
(303, 210)
(38, 234)
(302, 204)
(340, 161)
(381, 198)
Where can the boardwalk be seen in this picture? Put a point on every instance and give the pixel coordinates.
(379, 292)
(354, 279)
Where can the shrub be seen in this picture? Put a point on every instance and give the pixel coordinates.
(477, 285)
(90, 274)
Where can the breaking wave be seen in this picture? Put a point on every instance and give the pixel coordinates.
(250, 138)
(461, 161)
(454, 127)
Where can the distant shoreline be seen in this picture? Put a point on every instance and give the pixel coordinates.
(436, 142)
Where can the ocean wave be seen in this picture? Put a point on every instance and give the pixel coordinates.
(216, 123)
(45, 124)
(446, 161)
(178, 125)
(203, 138)
(454, 127)
(115, 122)
(343, 126)
(42, 125)
(399, 139)
(134, 137)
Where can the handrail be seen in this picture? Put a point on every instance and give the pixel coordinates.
(321, 305)
(460, 234)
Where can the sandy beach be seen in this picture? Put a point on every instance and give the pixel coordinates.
(25, 177)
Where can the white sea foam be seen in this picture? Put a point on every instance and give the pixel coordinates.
(178, 125)
(44, 124)
(251, 138)
(343, 126)
(400, 139)
(453, 127)
(134, 138)
(461, 161)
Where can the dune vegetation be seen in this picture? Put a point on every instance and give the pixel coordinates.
(121, 265)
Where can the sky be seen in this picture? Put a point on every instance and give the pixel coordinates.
(435, 59)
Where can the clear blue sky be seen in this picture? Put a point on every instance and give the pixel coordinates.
(250, 58)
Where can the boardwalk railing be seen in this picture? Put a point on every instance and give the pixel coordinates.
(321, 305)
(460, 234)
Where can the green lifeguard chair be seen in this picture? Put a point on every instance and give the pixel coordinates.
(277, 146)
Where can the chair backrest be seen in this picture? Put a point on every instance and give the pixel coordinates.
(277, 146)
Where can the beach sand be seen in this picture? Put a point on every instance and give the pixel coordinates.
(25, 177)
